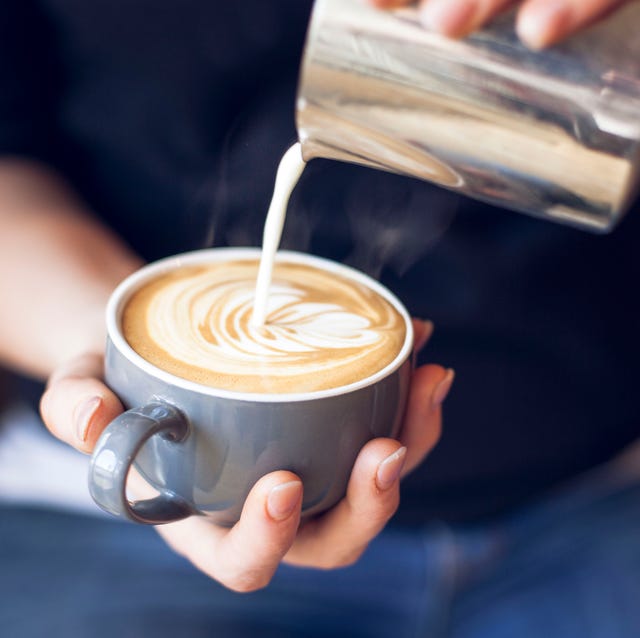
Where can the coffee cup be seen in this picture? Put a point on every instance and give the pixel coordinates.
(200, 448)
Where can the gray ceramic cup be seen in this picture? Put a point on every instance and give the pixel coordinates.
(201, 449)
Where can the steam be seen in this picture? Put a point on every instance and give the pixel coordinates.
(395, 221)
(369, 219)
(239, 199)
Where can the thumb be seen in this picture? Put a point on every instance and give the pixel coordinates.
(77, 406)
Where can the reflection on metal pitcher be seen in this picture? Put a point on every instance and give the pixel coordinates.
(554, 133)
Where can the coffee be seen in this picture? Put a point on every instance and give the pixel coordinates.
(203, 448)
(323, 330)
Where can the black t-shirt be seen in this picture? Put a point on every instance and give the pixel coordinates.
(170, 118)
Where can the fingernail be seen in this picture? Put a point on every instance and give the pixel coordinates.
(283, 500)
(541, 24)
(389, 470)
(425, 336)
(449, 18)
(83, 415)
(442, 389)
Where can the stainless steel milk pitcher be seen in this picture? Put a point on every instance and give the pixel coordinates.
(554, 133)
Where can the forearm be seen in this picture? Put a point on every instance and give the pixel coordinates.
(58, 266)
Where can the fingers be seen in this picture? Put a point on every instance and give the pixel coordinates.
(430, 386)
(389, 4)
(422, 331)
(541, 23)
(77, 406)
(245, 557)
(458, 18)
(339, 537)
(454, 18)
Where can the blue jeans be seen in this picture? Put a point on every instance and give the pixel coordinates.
(568, 567)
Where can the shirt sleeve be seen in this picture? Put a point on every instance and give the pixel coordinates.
(28, 81)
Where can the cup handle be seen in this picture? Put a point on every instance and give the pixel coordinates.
(115, 453)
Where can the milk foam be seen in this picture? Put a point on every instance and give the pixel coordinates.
(322, 330)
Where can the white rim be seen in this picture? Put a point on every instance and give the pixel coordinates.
(133, 282)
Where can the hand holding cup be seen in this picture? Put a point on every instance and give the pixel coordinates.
(245, 556)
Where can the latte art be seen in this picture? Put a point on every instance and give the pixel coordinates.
(322, 330)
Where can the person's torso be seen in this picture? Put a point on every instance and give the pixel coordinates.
(174, 116)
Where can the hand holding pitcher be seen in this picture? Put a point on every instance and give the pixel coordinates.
(540, 23)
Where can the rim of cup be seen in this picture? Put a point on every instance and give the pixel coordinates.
(133, 282)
